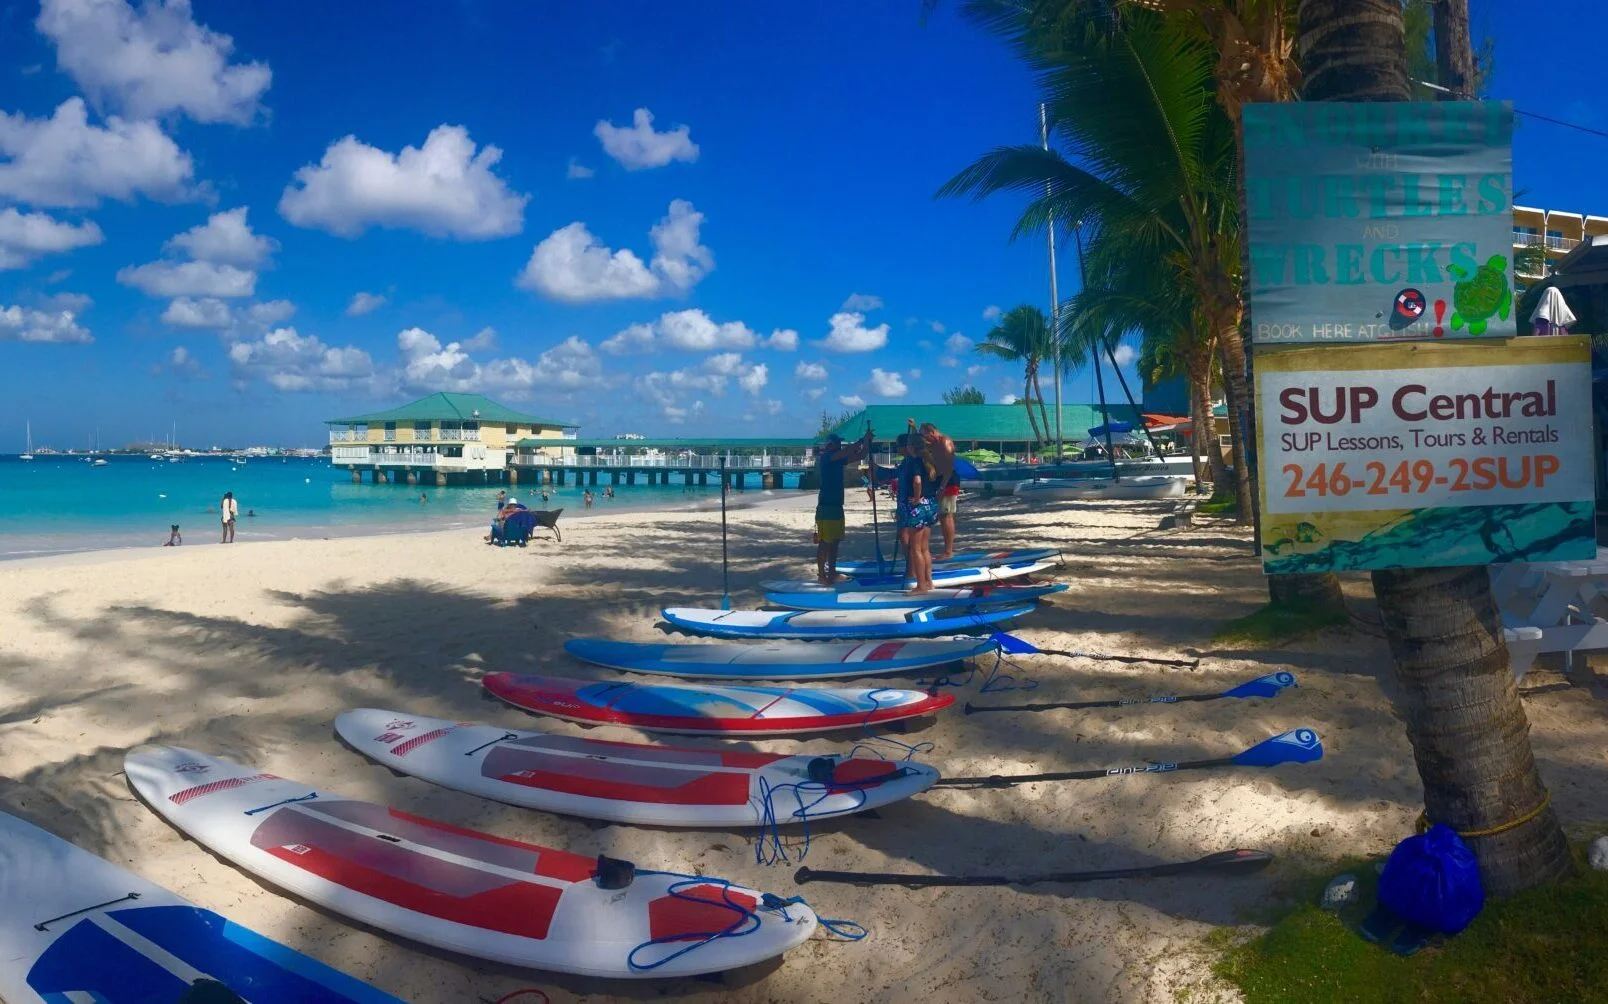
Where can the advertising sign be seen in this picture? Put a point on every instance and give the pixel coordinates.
(1380, 221)
(1424, 454)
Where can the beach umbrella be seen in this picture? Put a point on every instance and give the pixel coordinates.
(1552, 315)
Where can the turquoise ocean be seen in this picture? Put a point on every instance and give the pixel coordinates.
(58, 503)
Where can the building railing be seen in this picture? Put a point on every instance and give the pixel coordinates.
(453, 434)
(390, 435)
(1552, 242)
(340, 436)
(526, 458)
(421, 435)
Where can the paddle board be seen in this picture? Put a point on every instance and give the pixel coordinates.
(779, 660)
(842, 599)
(716, 710)
(897, 623)
(75, 927)
(948, 577)
(970, 558)
(626, 782)
(459, 889)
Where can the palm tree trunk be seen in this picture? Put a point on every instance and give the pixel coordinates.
(1201, 431)
(1461, 707)
(1454, 52)
(1038, 392)
(1466, 724)
(1232, 354)
(1027, 402)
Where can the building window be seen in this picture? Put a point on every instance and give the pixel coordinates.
(511, 429)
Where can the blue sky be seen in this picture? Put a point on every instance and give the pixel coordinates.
(244, 218)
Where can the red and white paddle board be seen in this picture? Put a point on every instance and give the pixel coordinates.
(460, 889)
(713, 709)
(629, 782)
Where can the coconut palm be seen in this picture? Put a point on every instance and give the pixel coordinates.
(1136, 106)
(1023, 336)
(1458, 698)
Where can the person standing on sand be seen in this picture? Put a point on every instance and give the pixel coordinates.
(829, 519)
(916, 512)
(938, 450)
(228, 511)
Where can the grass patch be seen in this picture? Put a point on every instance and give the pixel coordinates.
(1546, 945)
(1277, 623)
(1219, 507)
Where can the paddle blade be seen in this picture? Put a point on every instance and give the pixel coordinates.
(1265, 686)
(1238, 862)
(1011, 644)
(1295, 746)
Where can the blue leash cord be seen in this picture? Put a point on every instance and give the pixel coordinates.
(993, 681)
(770, 849)
(746, 921)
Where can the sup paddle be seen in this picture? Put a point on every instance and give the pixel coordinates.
(876, 525)
(1235, 862)
(1295, 746)
(725, 563)
(1012, 645)
(1263, 686)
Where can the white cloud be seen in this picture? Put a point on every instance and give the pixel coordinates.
(754, 378)
(427, 365)
(677, 416)
(886, 384)
(972, 371)
(75, 302)
(937, 327)
(689, 330)
(270, 312)
(225, 238)
(364, 303)
(444, 189)
(773, 406)
(862, 303)
(726, 363)
(638, 147)
(189, 278)
(207, 312)
(573, 266)
(293, 362)
(1009, 399)
(25, 236)
(577, 170)
(955, 346)
(152, 61)
(809, 371)
(483, 340)
(65, 161)
(849, 334)
(991, 313)
(182, 362)
(25, 324)
(630, 341)
(851, 401)
(915, 374)
(814, 393)
(783, 340)
(1124, 354)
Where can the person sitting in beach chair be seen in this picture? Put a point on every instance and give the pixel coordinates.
(505, 509)
(516, 527)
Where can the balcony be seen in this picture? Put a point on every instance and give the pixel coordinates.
(340, 436)
(421, 435)
(390, 435)
(1552, 242)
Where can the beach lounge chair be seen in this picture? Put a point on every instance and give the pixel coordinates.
(516, 528)
(547, 519)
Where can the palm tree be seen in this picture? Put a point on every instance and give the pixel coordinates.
(1023, 336)
(1136, 105)
(964, 394)
(1458, 698)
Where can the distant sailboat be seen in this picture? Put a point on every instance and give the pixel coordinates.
(28, 454)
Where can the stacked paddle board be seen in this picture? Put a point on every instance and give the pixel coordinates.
(459, 889)
(784, 660)
(897, 622)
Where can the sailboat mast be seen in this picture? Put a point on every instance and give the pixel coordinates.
(1099, 381)
(1055, 295)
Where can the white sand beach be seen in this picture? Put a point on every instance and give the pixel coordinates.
(251, 651)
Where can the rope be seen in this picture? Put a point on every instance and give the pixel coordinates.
(520, 993)
(770, 849)
(738, 928)
(1423, 822)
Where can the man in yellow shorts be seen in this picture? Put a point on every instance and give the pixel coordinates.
(830, 464)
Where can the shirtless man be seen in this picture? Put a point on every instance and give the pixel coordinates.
(938, 451)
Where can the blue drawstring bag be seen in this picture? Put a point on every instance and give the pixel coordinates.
(1433, 881)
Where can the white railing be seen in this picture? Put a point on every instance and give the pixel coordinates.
(340, 436)
(421, 435)
(1552, 242)
(407, 458)
(390, 435)
(696, 463)
(349, 454)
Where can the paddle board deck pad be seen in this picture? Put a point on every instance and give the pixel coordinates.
(945, 577)
(713, 710)
(779, 660)
(913, 622)
(627, 782)
(459, 889)
(970, 558)
(75, 927)
(827, 599)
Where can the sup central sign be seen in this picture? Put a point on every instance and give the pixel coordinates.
(1379, 221)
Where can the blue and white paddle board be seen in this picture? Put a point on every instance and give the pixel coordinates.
(891, 599)
(779, 660)
(75, 927)
(945, 577)
(916, 622)
(982, 558)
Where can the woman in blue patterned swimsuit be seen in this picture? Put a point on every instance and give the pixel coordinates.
(917, 512)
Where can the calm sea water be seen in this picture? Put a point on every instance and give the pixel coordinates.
(60, 503)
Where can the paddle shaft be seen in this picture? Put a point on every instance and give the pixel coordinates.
(1191, 663)
(1083, 705)
(1235, 862)
(725, 562)
(876, 525)
(1010, 780)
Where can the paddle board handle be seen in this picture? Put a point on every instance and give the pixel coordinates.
(43, 924)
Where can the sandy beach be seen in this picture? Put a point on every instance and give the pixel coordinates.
(251, 651)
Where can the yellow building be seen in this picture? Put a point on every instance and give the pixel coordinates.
(1556, 231)
(457, 438)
